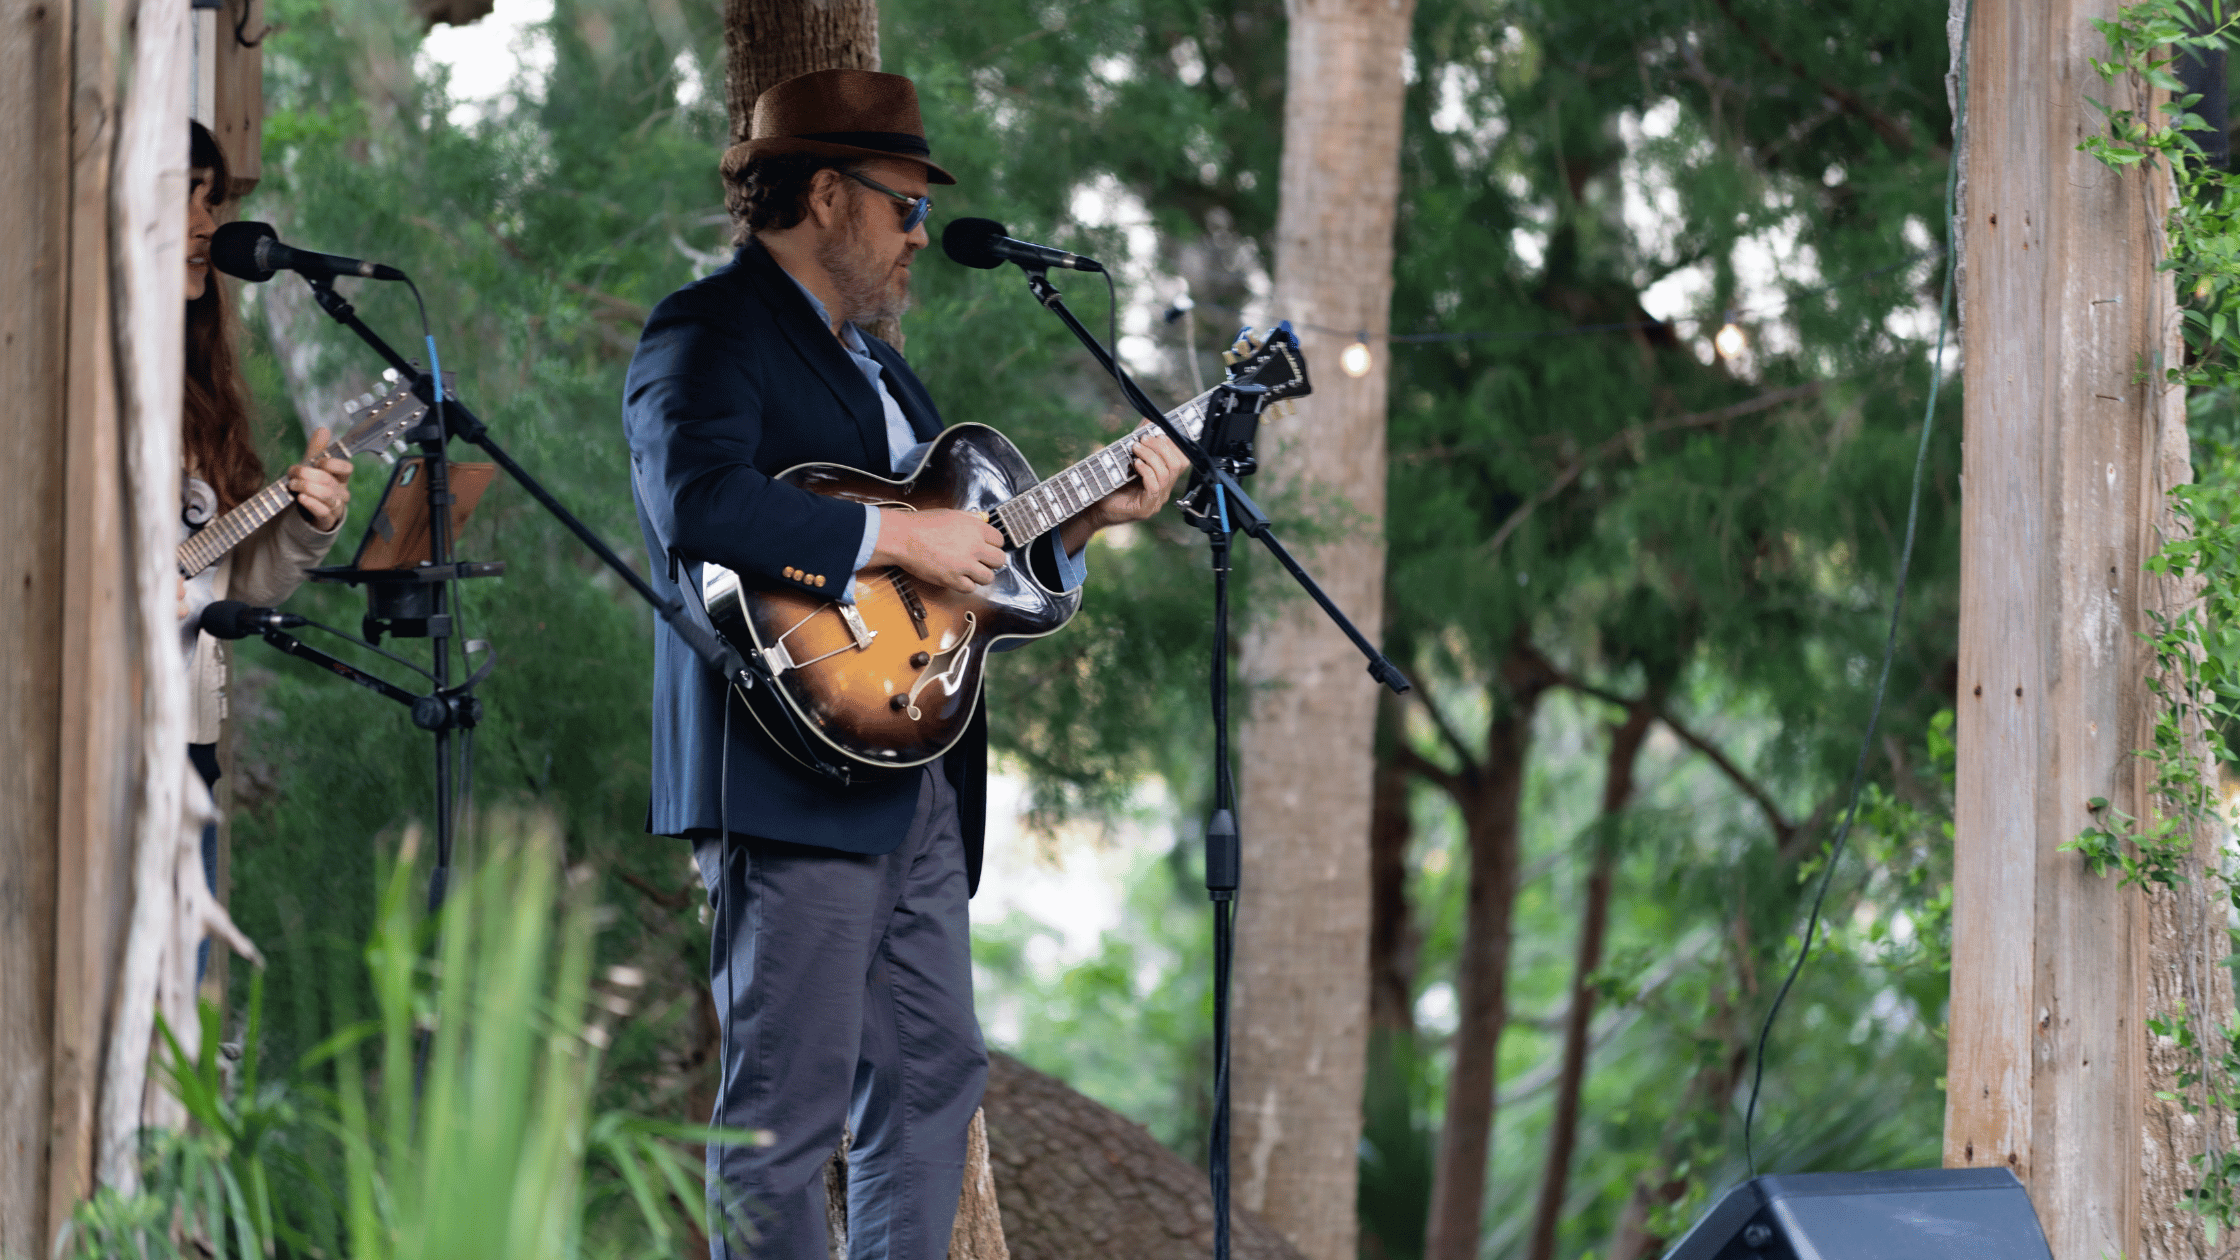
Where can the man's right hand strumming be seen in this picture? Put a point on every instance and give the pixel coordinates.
(949, 548)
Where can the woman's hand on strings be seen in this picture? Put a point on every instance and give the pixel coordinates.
(321, 485)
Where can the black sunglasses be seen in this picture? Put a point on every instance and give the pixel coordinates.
(920, 207)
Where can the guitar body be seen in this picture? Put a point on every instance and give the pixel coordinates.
(892, 681)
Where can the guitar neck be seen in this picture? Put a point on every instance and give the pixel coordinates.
(1051, 503)
(213, 541)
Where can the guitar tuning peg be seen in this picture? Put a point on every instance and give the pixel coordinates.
(351, 406)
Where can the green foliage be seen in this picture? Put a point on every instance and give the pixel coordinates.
(475, 1133)
(1741, 564)
(1131, 1025)
(2195, 651)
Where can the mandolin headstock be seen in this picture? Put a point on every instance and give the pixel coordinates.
(378, 420)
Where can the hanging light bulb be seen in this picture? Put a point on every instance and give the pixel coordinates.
(1355, 359)
(1731, 341)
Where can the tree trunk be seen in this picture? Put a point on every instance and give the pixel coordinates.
(1392, 938)
(768, 41)
(1081, 1182)
(1490, 810)
(1303, 918)
(1626, 740)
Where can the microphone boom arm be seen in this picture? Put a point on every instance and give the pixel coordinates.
(465, 425)
(1244, 514)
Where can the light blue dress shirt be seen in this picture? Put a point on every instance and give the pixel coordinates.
(904, 450)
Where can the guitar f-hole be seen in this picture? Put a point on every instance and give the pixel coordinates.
(947, 668)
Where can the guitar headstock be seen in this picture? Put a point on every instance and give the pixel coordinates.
(1275, 362)
(378, 420)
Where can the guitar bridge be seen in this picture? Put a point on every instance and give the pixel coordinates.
(860, 636)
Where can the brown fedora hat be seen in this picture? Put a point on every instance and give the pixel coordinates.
(838, 113)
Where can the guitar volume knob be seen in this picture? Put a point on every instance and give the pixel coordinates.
(898, 702)
(919, 660)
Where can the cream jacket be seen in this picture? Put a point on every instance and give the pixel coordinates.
(261, 572)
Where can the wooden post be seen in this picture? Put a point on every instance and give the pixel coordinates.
(238, 79)
(2068, 456)
(35, 45)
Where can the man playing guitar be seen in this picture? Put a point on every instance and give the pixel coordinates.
(841, 961)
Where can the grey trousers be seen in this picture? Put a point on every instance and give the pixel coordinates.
(843, 988)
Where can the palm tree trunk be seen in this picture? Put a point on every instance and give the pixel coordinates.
(1303, 913)
(766, 41)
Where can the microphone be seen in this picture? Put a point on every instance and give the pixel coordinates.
(252, 251)
(985, 243)
(232, 619)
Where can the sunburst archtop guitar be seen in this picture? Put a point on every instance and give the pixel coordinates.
(892, 680)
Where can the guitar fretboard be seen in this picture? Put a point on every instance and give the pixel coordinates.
(213, 541)
(1033, 513)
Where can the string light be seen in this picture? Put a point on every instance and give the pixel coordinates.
(1731, 334)
(1731, 341)
(1355, 359)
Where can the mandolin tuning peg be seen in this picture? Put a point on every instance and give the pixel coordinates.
(389, 375)
(1228, 358)
(388, 458)
(398, 446)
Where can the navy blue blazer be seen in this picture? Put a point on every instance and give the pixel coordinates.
(736, 380)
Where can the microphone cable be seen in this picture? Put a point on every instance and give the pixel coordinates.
(1897, 611)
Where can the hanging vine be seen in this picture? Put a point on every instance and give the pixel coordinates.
(2194, 674)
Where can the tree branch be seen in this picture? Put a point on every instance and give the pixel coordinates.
(1469, 767)
(677, 900)
(1628, 437)
(1783, 828)
(1894, 132)
(1423, 767)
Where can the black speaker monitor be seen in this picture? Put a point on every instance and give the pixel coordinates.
(1931, 1214)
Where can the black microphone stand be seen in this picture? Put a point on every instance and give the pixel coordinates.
(422, 594)
(1219, 506)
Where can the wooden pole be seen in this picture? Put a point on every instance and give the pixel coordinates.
(2068, 455)
(35, 44)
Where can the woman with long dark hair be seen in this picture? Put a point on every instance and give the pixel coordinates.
(222, 469)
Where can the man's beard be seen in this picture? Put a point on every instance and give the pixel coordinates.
(868, 293)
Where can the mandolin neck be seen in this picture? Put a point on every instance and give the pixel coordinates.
(1035, 512)
(213, 541)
